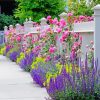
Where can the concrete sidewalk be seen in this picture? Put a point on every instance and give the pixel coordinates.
(16, 84)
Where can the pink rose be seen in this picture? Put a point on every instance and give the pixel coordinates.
(76, 35)
(62, 23)
(81, 38)
(91, 42)
(30, 34)
(18, 38)
(38, 28)
(48, 29)
(48, 17)
(43, 35)
(81, 17)
(59, 30)
(7, 32)
(52, 49)
(48, 57)
(70, 14)
(55, 21)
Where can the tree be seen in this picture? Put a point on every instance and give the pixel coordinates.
(37, 9)
(80, 7)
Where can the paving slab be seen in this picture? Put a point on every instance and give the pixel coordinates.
(15, 84)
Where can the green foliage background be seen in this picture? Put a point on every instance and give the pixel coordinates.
(81, 8)
(36, 9)
(6, 20)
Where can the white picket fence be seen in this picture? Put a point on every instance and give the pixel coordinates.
(2, 37)
(88, 30)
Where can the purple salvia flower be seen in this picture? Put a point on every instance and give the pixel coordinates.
(70, 81)
(52, 87)
(27, 61)
(93, 75)
(83, 86)
(37, 77)
(23, 63)
(60, 83)
(13, 56)
(86, 62)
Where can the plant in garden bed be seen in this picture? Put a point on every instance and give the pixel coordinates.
(37, 72)
(83, 85)
(13, 56)
(8, 47)
(20, 57)
(49, 69)
(46, 69)
(63, 73)
(26, 62)
(13, 53)
(13, 45)
(49, 60)
(2, 49)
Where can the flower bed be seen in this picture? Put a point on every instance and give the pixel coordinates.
(54, 60)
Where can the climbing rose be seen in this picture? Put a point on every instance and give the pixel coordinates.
(52, 49)
(70, 14)
(18, 38)
(91, 42)
(55, 21)
(58, 30)
(48, 58)
(80, 38)
(48, 17)
(62, 23)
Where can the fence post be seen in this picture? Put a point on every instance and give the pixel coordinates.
(63, 15)
(18, 28)
(11, 27)
(43, 24)
(5, 30)
(43, 21)
(26, 26)
(30, 25)
(97, 34)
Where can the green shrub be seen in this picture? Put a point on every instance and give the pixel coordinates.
(83, 8)
(6, 20)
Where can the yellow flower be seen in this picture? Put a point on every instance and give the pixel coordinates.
(59, 67)
(48, 77)
(39, 59)
(21, 56)
(2, 50)
(69, 68)
(35, 63)
(28, 51)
